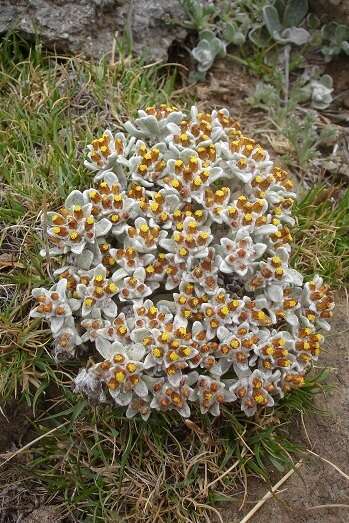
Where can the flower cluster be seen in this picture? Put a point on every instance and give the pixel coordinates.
(175, 270)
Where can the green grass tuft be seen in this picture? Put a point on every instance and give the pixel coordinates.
(321, 237)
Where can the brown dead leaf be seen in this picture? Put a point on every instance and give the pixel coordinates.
(7, 260)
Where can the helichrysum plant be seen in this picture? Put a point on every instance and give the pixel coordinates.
(174, 271)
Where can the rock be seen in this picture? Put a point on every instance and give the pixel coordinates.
(337, 10)
(88, 27)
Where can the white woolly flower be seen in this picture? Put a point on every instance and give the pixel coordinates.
(167, 397)
(148, 164)
(178, 258)
(66, 340)
(53, 305)
(133, 288)
(143, 237)
(252, 390)
(74, 226)
(129, 259)
(150, 316)
(238, 254)
(192, 243)
(161, 207)
(154, 124)
(211, 394)
(318, 300)
(104, 152)
(97, 294)
(122, 371)
(204, 273)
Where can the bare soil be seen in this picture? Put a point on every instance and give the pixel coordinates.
(314, 493)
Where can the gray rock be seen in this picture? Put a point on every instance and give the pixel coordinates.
(88, 27)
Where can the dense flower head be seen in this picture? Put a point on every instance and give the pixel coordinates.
(175, 271)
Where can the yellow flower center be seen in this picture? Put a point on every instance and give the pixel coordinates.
(131, 367)
(73, 235)
(224, 310)
(88, 302)
(165, 336)
(144, 228)
(120, 376)
(156, 352)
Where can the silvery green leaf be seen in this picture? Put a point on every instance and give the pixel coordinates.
(280, 6)
(77, 249)
(110, 309)
(313, 21)
(56, 324)
(136, 352)
(345, 47)
(149, 125)
(74, 304)
(61, 286)
(291, 318)
(295, 35)
(258, 36)
(141, 389)
(295, 12)
(327, 81)
(192, 377)
(118, 347)
(203, 54)
(220, 47)
(239, 38)
(175, 379)
(304, 93)
(104, 347)
(232, 34)
(341, 34)
(102, 227)
(329, 30)
(139, 334)
(74, 198)
(131, 129)
(229, 32)
(84, 260)
(168, 245)
(328, 52)
(170, 305)
(275, 293)
(322, 324)
(266, 229)
(207, 35)
(271, 20)
(121, 398)
(295, 277)
(174, 117)
(321, 95)
(184, 411)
